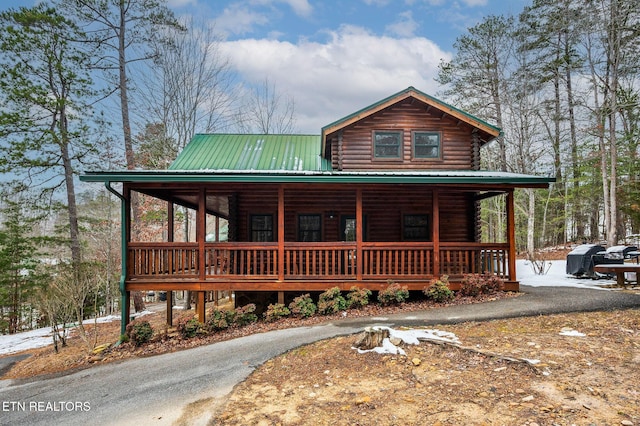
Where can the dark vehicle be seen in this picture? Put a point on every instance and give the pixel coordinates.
(582, 259)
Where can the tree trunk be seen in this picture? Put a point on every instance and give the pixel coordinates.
(138, 301)
(531, 221)
(371, 338)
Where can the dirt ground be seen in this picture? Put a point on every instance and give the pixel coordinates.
(577, 380)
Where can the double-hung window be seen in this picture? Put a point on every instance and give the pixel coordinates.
(309, 227)
(387, 144)
(415, 227)
(426, 145)
(261, 228)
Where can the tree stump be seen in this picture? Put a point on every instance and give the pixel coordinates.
(371, 338)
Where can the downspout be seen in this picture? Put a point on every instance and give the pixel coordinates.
(123, 256)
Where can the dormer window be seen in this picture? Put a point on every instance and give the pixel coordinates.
(426, 145)
(387, 144)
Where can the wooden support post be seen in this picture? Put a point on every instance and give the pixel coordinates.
(169, 308)
(436, 231)
(511, 234)
(281, 297)
(170, 222)
(201, 304)
(359, 234)
(170, 238)
(280, 233)
(201, 233)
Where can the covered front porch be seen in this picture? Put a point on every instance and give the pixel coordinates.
(299, 238)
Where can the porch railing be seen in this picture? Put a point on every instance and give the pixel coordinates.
(251, 260)
(326, 260)
(163, 260)
(394, 260)
(474, 258)
(315, 260)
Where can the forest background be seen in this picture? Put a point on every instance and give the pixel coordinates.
(559, 77)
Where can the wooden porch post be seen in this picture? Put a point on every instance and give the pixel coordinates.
(281, 240)
(201, 232)
(170, 238)
(435, 201)
(511, 234)
(359, 234)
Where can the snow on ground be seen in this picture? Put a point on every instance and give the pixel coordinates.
(555, 276)
(12, 343)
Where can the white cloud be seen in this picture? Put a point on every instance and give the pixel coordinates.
(175, 4)
(376, 2)
(350, 70)
(473, 3)
(300, 7)
(238, 19)
(404, 26)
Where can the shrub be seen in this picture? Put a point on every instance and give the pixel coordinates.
(394, 293)
(245, 315)
(358, 297)
(439, 290)
(276, 311)
(331, 302)
(303, 306)
(189, 327)
(219, 320)
(476, 284)
(139, 332)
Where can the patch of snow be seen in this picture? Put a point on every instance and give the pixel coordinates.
(556, 277)
(12, 343)
(571, 332)
(410, 337)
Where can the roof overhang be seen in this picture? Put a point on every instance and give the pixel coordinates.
(454, 177)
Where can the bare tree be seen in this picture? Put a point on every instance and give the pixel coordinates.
(189, 88)
(267, 111)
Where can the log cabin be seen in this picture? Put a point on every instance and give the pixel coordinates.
(390, 193)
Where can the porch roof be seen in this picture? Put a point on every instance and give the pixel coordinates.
(225, 151)
(433, 177)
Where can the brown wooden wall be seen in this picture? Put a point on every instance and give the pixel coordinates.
(383, 209)
(357, 146)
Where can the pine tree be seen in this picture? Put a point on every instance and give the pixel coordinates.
(20, 268)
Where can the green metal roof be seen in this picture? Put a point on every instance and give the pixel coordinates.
(223, 151)
(440, 177)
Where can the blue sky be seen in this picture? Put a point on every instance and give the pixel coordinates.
(335, 57)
